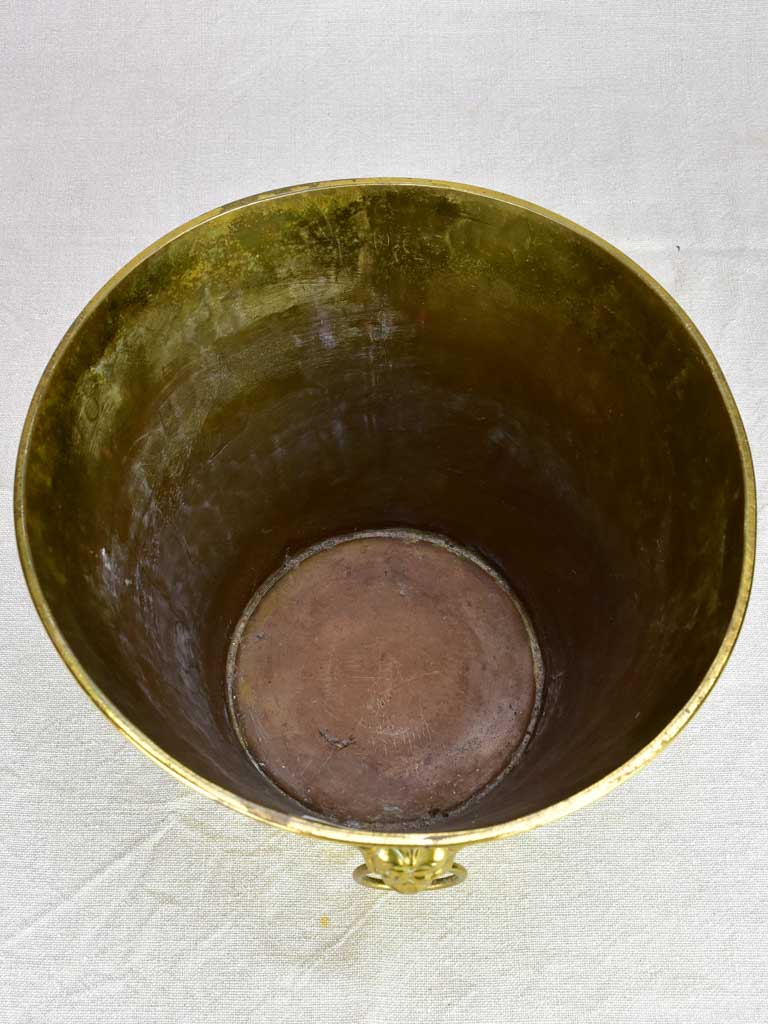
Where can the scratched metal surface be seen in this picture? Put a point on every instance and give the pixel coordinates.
(125, 897)
(416, 656)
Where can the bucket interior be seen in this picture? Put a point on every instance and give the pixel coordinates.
(388, 361)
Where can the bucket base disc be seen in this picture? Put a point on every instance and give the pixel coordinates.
(384, 677)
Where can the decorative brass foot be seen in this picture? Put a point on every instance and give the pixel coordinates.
(409, 869)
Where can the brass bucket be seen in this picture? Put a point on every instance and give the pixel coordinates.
(397, 513)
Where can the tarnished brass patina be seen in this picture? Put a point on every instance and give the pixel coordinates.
(365, 356)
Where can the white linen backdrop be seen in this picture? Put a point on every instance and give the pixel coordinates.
(126, 898)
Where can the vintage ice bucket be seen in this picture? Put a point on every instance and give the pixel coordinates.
(393, 512)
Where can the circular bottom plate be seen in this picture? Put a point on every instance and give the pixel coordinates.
(384, 677)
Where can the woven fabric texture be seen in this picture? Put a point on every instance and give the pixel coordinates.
(126, 898)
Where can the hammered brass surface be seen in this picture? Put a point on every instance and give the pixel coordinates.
(390, 353)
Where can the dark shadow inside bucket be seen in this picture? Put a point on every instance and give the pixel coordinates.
(390, 357)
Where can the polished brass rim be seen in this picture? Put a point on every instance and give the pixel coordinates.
(318, 829)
